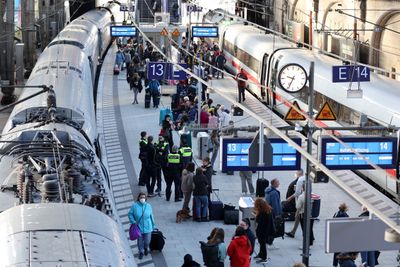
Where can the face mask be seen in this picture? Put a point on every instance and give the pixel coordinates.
(142, 200)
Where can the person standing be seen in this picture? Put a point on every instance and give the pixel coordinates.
(220, 62)
(154, 87)
(135, 83)
(218, 239)
(187, 184)
(214, 139)
(299, 176)
(273, 197)
(162, 150)
(166, 130)
(368, 257)
(142, 157)
(186, 153)
(246, 177)
(151, 177)
(241, 79)
(208, 172)
(300, 204)
(200, 193)
(341, 213)
(245, 223)
(174, 173)
(265, 228)
(141, 213)
(239, 249)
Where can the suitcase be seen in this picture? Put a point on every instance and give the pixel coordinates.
(237, 111)
(116, 70)
(216, 210)
(163, 113)
(279, 224)
(315, 205)
(147, 99)
(231, 217)
(261, 185)
(157, 240)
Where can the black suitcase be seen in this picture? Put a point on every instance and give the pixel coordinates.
(216, 210)
(157, 240)
(231, 217)
(237, 111)
(315, 205)
(147, 99)
(261, 185)
(279, 224)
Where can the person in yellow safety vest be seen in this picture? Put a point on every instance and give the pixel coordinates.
(174, 171)
(162, 150)
(142, 156)
(186, 154)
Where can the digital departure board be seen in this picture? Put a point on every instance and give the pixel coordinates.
(205, 32)
(123, 31)
(235, 155)
(381, 151)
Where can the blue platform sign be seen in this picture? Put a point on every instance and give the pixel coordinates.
(381, 151)
(350, 73)
(235, 155)
(165, 71)
(123, 31)
(205, 31)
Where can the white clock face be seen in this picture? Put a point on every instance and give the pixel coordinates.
(292, 78)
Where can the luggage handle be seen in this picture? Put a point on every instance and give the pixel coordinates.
(216, 193)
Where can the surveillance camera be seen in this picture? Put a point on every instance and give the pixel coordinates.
(298, 127)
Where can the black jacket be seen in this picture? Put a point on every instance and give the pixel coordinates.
(200, 185)
(151, 154)
(252, 239)
(191, 264)
(265, 226)
(208, 172)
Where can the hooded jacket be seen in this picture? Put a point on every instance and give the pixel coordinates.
(239, 250)
(273, 197)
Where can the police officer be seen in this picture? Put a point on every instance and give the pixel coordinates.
(162, 150)
(186, 153)
(142, 157)
(174, 164)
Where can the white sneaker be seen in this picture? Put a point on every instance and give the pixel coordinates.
(268, 260)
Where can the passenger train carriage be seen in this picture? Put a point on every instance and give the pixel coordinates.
(265, 58)
(56, 203)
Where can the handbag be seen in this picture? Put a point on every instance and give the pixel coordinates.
(134, 232)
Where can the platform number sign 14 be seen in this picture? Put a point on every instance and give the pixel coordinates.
(350, 73)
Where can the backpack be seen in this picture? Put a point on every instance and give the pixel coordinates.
(153, 86)
(210, 254)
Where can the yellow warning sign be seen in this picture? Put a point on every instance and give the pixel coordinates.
(176, 32)
(326, 113)
(293, 114)
(164, 32)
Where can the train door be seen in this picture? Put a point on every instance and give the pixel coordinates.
(271, 80)
(263, 79)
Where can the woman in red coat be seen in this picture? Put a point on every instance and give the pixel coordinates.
(239, 249)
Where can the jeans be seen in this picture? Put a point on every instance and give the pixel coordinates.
(368, 257)
(302, 219)
(135, 94)
(201, 204)
(143, 242)
(246, 176)
(241, 94)
(296, 223)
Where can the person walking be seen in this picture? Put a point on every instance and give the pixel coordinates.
(220, 62)
(187, 184)
(135, 83)
(273, 197)
(265, 228)
(218, 239)
(246, 177)
(200, 193)
(141, 213)
(300, 179)
(151, 177)
(241, 79)
(174, 165)
(341, 213)
(239, 249)
(119, 59)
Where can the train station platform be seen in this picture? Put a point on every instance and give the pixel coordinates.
(120, 124)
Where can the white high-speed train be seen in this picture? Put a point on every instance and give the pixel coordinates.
(56, 205)
(283, 68)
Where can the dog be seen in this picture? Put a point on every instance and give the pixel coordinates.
(182, 215)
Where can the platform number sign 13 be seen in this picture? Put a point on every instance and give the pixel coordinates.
(158, 70)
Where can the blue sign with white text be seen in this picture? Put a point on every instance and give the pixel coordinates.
(205, 32)
(235, 155)
(123, 31)
(381, 151)
(165, 71)
(350, 73)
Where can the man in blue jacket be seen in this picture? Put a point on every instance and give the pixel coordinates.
(273, 197)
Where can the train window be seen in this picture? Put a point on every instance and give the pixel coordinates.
(74, 43)
(242, 56)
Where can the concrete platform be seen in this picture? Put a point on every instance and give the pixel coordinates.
(184, 238)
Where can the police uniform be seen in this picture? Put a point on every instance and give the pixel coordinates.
(186, 155)
(143, 159)
(173, 175)
(161, 161)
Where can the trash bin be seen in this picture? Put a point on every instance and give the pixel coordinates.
(202, 145)
(246, 205)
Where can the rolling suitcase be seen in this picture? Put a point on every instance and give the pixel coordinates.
(279, 224)
(237, 111)
(216, 208)
(157, 240)
(231, 217)
(147, 99)
(116, 69)
(261, 185)
(315, 205)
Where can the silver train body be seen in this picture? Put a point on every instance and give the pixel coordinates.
(263, 56)
(57, 208)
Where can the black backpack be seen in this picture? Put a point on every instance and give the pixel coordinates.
(210, 254)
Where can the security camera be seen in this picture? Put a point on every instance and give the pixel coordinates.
(298, 127)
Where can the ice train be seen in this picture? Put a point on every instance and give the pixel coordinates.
(56, 205)
(281, 66)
